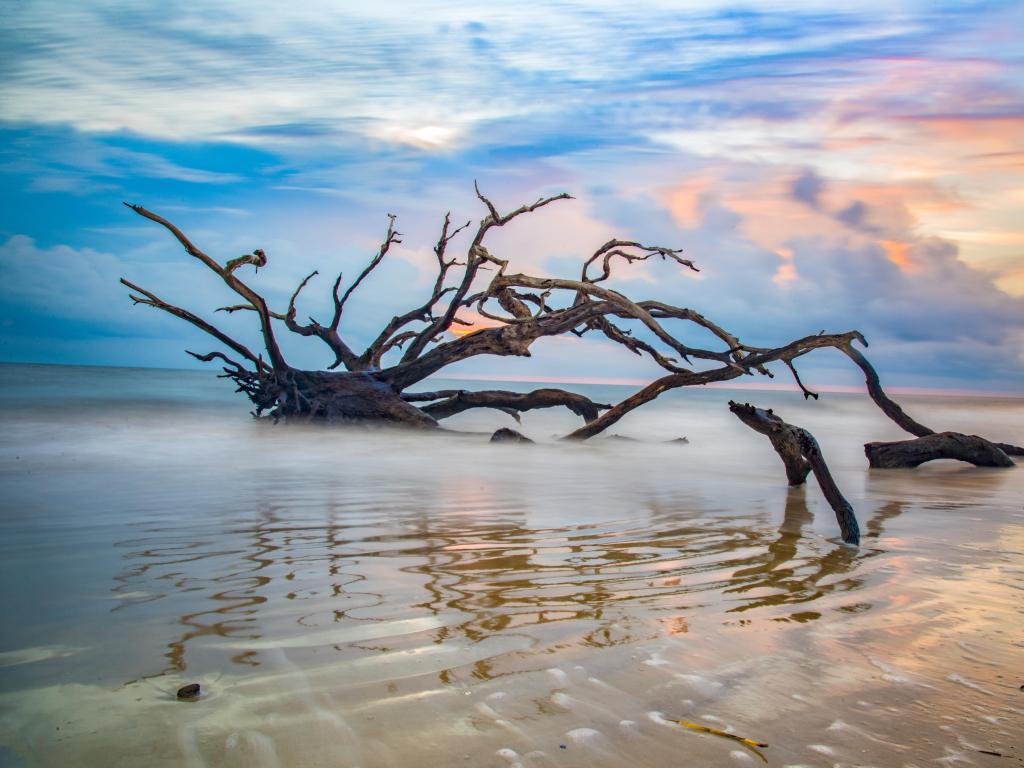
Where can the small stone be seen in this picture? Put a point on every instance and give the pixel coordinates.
(189, 692)
(506, 435)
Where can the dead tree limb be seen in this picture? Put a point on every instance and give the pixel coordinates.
(782, 436)
(227, 274)
(940, 445)
(150, 299)
(962, 449)
(448, 402)
(889, 407)
(725, 373)
(801, 453)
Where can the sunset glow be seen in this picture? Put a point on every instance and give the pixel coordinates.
(861, 168)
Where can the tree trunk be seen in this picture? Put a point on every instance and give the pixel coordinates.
(333, 397)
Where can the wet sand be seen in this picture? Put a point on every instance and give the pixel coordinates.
(377, 599)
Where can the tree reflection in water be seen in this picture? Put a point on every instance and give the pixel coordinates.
(559, 588)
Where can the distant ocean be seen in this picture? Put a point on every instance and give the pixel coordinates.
(374, 597)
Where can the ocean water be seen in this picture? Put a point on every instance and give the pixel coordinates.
(372, 597)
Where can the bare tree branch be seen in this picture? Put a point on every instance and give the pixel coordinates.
(938, 445)
(152, 300)
(807, 393)
(238, 368)
(453, 401)
(389, 239)
(689, 379)
(783, 440)
(476, 257)
(227, 275)
(614, 248)
(889, 407)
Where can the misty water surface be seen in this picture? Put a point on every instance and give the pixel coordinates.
(380, 598)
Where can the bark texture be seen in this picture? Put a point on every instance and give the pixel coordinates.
(782, 436)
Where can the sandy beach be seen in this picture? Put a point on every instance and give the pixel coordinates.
(371, 598)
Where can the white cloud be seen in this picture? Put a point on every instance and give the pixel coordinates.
(422, 73)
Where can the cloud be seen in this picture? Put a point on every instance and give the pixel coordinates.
(822, 168)
(268, 72)
(65, 283)
(807, 188)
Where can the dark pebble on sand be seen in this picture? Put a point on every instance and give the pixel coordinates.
(188, 692)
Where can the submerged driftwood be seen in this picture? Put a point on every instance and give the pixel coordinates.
(939, 445)
(929, 445)
(801, 454)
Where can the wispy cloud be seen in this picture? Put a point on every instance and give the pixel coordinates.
(855, 168)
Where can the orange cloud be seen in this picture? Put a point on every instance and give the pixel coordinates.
(899, 254)
(786, 272)
(684, 200)
(996, 134)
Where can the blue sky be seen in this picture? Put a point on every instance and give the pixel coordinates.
(826, 170)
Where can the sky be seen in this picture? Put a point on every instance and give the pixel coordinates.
(825, 170)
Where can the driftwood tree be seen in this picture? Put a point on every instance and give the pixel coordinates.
(373, 384)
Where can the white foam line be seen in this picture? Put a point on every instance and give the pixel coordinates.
(953, 677)
(371, 630)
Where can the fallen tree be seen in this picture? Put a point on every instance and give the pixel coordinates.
(373, 384)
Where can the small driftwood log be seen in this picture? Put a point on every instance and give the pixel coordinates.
(940, 445)
(452, 401)
(801, 454)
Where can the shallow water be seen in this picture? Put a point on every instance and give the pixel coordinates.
(373, 598)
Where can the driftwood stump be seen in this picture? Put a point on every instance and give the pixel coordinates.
(801, 454)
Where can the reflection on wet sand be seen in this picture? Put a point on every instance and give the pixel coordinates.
(786, 579)
(587, 585)
(587, 639)
(382, 600)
